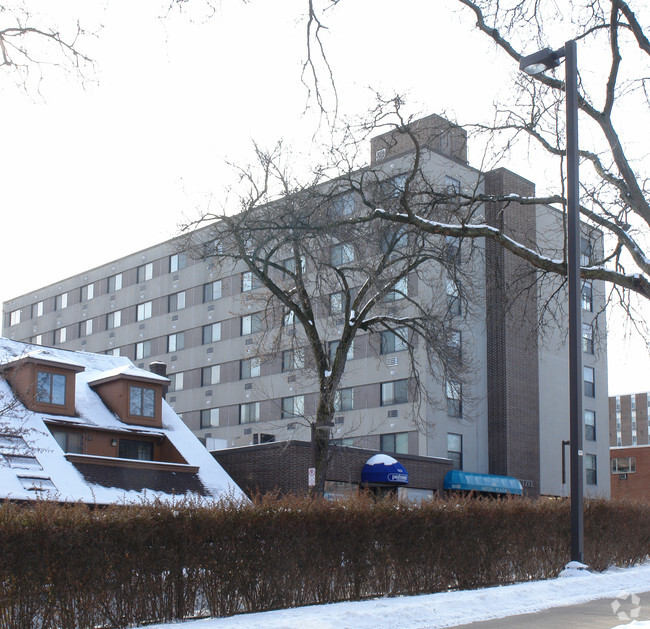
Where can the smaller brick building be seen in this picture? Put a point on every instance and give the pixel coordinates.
(630, 468)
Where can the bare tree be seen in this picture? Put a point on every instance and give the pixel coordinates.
(321, 275)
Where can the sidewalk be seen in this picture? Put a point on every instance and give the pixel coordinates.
(598, 614)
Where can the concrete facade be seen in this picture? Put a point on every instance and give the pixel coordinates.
(163, 304)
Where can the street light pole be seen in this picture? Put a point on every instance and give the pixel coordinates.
(535, 64)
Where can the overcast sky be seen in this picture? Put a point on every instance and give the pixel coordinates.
(94, 170)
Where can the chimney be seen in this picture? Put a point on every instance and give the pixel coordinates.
(160, 369)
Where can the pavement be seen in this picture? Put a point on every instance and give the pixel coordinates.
(603, 613)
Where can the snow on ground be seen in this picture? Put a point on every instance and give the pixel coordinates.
(448, 609)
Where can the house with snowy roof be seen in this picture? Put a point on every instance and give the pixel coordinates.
(94, 428)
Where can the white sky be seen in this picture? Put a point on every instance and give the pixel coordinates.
(91, 173)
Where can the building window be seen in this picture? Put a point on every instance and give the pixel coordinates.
(176, 342)
(344, 400)
(586, 251)
(624, 465)
(210, 375)
(132, 449)
(452, 185)
(50, 388)
(37, 309)
(177, 262)
(145, 272)
(343, 205)
(400, 290)
(14, 317)
(209, 417)
(249, 368)
(393, 187)
(86, 327)
(142, 350)
(455, 346)
(452, 249)
(176, 301)
(211, 333)
(590, 469)
(454, 392)
(212, 291)
(251, 323)
(141, 401)
(63, 335)
(590, 381)
(587, 338)
(113, 320)
(68, 441)
(334, 345)
(37, 340)
(453, 298)
(61, 301)
(87, 292)
(115, 283)
(336, 303)
(394, 341)
(293, 359)
(395, 392)
(397, 442)
(293, 406)
(342, 253)
(289, 265)
(590, 425)
(176, 381)
(249, 281)
(455, 450)
(143, 311)
(249, 412)
(113, 352)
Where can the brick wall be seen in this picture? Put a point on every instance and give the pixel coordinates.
(636, 484)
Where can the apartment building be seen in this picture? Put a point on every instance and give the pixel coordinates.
(509, 417)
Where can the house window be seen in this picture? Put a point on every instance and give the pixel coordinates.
(14, 317)
(177, 262)
(344, 400)
(141, 401)
(343, 205)
(50, 388)
(63, 335)
(210, 375)
(176, 342)
(212, 291)
(587, 338)
(251, 323)
(142, 350)
(397, 442)
(87, 292)
(249, 281)
(590, 425)
(211, 333)
(453, 298)
(336, 303)
(293, 359)
(455, 450)
(394, 341)
(86, 327)
(454, 392)
(249, 412)
(586, 251)
(143, 311)
(61, 301)
(587, 293)
(37, 309)
(113, 320)
(590, 381)
(293, 406)
(115, 283)
(400, 290)
(590, 469)
(334, 345)
(209, 417)
(145, 272)
(624, 465)
(176, 381)
(133, 449)
(395, 392)
(249, 368)
(343, 253)
(68, 441)
(176, 301)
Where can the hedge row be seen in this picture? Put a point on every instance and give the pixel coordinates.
(74, 566)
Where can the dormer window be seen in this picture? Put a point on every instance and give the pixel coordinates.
(50, 388)
(141, 401)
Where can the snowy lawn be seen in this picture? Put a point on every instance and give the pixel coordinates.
(448, 609)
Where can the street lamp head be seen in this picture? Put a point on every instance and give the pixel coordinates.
(541, 61)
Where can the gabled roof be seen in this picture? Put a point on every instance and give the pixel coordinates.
(30, 457)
